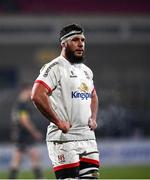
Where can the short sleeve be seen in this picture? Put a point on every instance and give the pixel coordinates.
(91, 77)
(49, 76)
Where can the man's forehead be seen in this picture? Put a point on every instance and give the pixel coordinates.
(78, 36)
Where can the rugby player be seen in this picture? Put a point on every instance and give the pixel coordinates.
(25, 134)
(64, 93)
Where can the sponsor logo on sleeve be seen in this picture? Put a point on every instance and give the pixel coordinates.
(49, 68)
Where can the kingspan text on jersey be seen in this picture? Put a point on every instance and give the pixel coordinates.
(77, 94)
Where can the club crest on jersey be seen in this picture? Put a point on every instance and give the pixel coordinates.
(82, 92)
(61, 158)
(86, 75)
(83, 87)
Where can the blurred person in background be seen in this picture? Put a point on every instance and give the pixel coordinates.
(25, 134)
(64, 93)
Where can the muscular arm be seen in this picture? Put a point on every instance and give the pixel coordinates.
(94, 110)
(40, 98)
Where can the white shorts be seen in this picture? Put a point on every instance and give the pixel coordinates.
(70, 154)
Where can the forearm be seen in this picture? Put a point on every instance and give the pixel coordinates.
(40, 98)
(44, 106)
(94, 105)
(94, 109)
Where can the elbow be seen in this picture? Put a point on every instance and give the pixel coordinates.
(34, 98)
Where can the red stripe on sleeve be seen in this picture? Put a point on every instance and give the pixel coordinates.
(92, 161)
(44, 84)
(64, 166)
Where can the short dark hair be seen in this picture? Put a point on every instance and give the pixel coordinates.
(68, 28)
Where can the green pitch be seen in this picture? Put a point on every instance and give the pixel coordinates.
(122, 172)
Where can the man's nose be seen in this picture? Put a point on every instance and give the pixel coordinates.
(80, 43)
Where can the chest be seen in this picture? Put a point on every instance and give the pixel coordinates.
(77, 79)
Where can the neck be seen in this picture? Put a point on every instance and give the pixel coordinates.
(63, 54)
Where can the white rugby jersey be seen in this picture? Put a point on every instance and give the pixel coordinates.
(71, 86)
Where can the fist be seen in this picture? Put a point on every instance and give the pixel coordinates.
(92, 124)
(64, 126)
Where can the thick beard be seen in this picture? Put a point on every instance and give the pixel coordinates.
(73, 58)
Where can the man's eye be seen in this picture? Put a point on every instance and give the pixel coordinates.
(75, 39)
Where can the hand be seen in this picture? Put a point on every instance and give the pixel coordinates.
(92, 124)
(64, 126)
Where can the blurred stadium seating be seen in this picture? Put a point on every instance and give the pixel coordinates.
(74, 6)
(119, 38)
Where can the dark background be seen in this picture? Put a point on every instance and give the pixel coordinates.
(118, 57)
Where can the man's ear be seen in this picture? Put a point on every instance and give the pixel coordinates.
(64, 45)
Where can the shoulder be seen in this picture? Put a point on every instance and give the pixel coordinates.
(52, 65)
(87, 69)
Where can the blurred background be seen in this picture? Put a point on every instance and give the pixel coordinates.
(117, 51)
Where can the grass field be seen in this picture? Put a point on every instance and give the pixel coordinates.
(128, 172)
